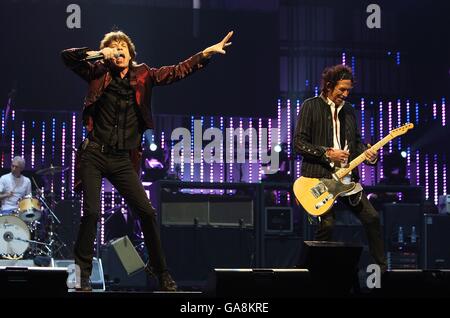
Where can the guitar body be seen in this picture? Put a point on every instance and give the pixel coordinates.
(317, 196)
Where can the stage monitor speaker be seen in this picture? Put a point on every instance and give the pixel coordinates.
(123, 266)
(192, 252)
(282, 251)
(333, 266)
(129, 257)
(259, 282)
(97, 278)
(347, 229)
(35, 282)
(415, 283)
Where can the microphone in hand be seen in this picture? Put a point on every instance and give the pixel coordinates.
(101, 56)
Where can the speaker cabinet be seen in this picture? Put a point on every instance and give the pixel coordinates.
(333, 266)
(402, 215)
(401, 222)
(282, 251)
(348, 229)
(182, 213)
(437, 238)
(215, 213)
(415, 283)
(33, 282)
(259, 282)
(278, 220)
(192, 252)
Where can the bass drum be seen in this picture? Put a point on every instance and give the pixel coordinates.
(14, 237)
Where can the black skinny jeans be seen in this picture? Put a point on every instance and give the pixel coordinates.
(117, 168)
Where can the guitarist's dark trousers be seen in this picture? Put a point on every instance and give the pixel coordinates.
(369, 218)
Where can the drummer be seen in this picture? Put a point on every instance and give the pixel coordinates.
(14, 186)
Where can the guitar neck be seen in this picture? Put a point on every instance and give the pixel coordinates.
(361, 158)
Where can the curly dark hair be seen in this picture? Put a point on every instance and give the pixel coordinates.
(333, 74)
(118, 35)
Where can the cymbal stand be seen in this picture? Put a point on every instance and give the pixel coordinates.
(52, 235)
(37, 243)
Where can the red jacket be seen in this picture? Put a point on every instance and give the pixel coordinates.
(142, 79)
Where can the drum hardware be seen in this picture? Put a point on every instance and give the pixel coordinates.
(53, 217)
(52, 235)
(51, 171)
(55, 244)
(31, 241)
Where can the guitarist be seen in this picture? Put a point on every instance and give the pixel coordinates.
(327, 138)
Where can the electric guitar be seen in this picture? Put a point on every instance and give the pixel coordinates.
(318, 195)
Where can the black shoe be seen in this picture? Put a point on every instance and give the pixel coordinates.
(166, 282)
(85, 285)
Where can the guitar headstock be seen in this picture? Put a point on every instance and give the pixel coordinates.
(401, 130)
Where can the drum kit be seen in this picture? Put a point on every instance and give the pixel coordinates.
(31, 229)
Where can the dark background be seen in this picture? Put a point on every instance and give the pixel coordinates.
(33, 34)
(277, 45)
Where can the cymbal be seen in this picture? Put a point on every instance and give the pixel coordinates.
(51, 170)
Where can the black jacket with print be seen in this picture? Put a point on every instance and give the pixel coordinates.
(314, 134)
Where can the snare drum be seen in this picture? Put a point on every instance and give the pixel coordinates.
(30, 209)
(14, 236)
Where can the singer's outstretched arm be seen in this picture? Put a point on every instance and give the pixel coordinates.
(73, 59)
(168, 74)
